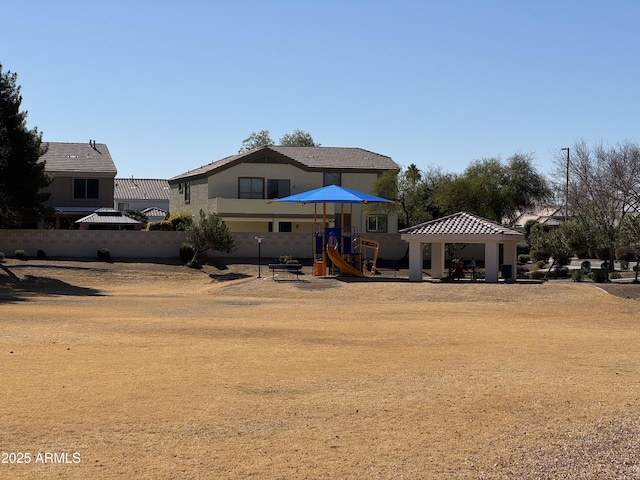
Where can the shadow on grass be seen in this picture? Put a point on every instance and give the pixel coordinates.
(15, 289)
(226, 277)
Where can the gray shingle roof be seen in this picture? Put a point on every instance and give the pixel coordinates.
(314, 158)
(64, 157)
(461, 223)
(141, 189)
(108, 216)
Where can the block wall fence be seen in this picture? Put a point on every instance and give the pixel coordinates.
(155, 244)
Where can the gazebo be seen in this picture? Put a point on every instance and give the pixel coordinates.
(460, 227)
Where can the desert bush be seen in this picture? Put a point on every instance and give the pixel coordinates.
(615, 275)
(624, 265)
(522, 272)
(163, 226)
(180, 221)
(559, 272)
(537, 275)
(186, 251)
(40, 254)
(599, 275)
(20, 255)
(524, 258)
(104, 254)
(287, 259)
(541, 263)
(586, 266)
(578, 275)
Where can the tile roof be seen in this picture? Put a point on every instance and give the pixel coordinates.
(154, 212)
(141, 189)
(78, 157)
(461, 223)
(320, 158)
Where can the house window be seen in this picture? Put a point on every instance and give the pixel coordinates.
(180, 187)
(278, 188)
(249, 187)
(187, 193)
(86, 188)
(123, 207)
(284, 227)
(377, 223)
(332, 178)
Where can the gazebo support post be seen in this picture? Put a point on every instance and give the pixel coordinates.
(438, 253)
(511, 258)
(491, 259)
(415, 261)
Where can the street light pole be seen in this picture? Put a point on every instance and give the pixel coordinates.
(259, 240)
(566, 191)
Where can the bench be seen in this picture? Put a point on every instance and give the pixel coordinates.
(285, 267)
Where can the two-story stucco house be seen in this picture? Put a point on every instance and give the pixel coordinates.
(83, 180)
(239, 187)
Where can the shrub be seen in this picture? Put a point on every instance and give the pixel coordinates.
(537, 275)
(164, 226)
(180, 221)
(40, 254)
(522, 272)
(524, 258)
(614, 275)
(104, 254)
(624, 265)
(626, 253)
(559, 272)
(20, 255)
(186, 251)
(541, 263)
(1, 256)
(578, 275)
(599, 275)
(287, 259)
(586, 266)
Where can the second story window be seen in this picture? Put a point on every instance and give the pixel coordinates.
(187, 193)
(278, 188)
(250, 187)
(86, 188)
(332, 178)
(377, 223)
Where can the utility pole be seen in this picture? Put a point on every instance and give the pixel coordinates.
(566, 189)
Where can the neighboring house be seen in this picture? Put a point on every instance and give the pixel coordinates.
(149, 196)
(552, 216)
(108, 219)
(238, 188)
(83, 175)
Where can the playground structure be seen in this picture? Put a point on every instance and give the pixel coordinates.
(350, 254)
(347, 252)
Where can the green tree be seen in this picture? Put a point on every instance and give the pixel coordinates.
(492, 189)
(209, 232)
(552, 243)
(256, 140)
(298, 138)
(21, 175)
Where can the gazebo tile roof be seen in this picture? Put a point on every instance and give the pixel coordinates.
(461, 223)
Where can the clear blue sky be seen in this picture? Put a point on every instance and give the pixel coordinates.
(170, 86)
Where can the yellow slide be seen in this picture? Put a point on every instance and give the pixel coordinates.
(339, 262)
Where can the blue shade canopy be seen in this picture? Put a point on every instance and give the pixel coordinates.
(333, 194)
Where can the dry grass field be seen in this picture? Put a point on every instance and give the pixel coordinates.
(147, 371)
